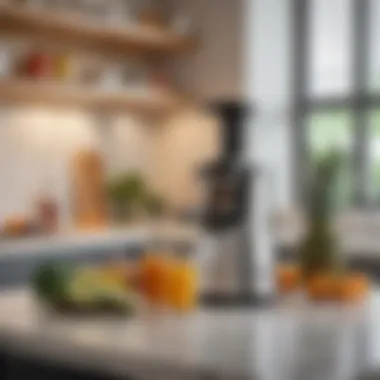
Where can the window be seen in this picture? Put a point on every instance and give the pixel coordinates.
(373, 80)
(337, 92)
(329, 53)
(329, 130)
(374, 156)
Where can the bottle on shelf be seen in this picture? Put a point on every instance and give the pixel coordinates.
(62, 67)
(47, 212)
(37, 65)
(5, 61)
(30, 4)
(182, 24)
(152, 17)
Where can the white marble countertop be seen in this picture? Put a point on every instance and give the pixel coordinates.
(291, 341)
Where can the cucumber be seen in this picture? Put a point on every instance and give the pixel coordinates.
(51, 282)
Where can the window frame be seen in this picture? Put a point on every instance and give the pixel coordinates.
(359, 103)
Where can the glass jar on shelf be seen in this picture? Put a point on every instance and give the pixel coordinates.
(62, 67)
(47, 213)
(135, 74)
(6, 60)
(30, 4)
(110, 78)
(181, 24)
(62, 6)
(87, 69)
(95, 10)
(130, 12)
(15, 3)
(50, 5)
(120, 13)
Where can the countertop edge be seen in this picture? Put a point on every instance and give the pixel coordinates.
(71, 242)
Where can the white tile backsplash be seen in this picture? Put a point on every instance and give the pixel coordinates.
(37, 144)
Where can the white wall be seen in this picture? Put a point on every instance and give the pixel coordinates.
(215, 70)
(267, 85)
(182, 145)
(37, 145)
(267, 81)
(245, 55)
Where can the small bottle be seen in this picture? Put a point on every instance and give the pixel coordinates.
(34, 4)
(182, 24)
(47, 213)
(5, 61)
(38, 65)
(61, 67)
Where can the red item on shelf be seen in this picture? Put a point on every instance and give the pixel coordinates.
(39, 65)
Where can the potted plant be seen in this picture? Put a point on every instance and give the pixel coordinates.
(318, 250)
(321, 263)
(154, 205)
(125, 193)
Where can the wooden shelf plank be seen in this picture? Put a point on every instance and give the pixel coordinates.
(71, 29)
(26, 91)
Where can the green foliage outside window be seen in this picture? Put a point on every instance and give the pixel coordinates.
(329, 131)
(374, 157)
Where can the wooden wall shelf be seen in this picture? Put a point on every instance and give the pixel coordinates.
(25, 91)
(75, 30)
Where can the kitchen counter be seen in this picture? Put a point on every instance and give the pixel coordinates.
(355, 243)
(19, 258)
(293, 340)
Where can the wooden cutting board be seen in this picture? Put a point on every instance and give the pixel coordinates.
(88, 190)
